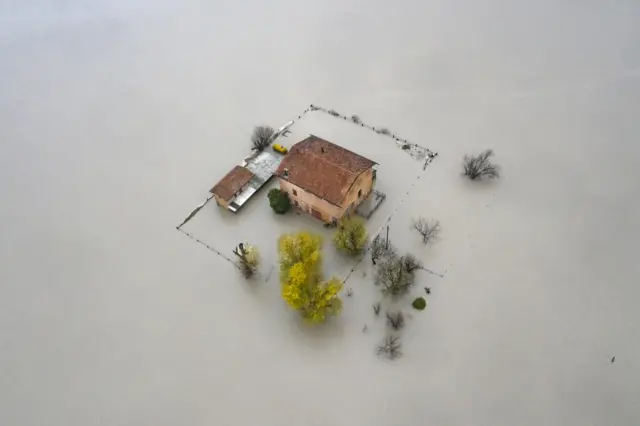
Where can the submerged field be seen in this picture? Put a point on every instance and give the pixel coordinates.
(117, 119)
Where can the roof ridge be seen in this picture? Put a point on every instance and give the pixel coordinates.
(325, 168)
(347, 150)
(353, 176)
(332, 163)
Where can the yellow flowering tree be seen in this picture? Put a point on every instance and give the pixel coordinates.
(301, 278)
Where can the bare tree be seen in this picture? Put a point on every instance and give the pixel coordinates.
(376, 308)
(410, 263)
(377, 249)
(429, 229)
(248, 259)
(480, 166)
(393, 276)
(261, 137)
(390, 348)
(395, 320)
(380, 249)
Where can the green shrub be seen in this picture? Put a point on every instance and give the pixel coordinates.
(351, 235)
(279, 201)
(419, 304)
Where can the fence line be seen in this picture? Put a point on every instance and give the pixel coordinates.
(432, 272)
(194, 212)
(388, 221)
(208, 246)
(430, 155)
(380, 130)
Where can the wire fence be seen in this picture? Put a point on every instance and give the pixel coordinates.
(386, 223)
(415, 151)
(208, 246)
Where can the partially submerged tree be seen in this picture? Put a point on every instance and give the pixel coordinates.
(390, 348)
(395, 275)
(300, 248)
(351, 235)
(376, 308)
(315, 301)
(279, 200)
(428, 229)
(377, 249)
(356, 119)
(380, 249)
(410, 263)
(480, 166)
(395, 320)
(248, 259)
(300, 274)
(262, 137)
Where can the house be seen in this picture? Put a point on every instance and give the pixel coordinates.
(231, 185)
(324, 179)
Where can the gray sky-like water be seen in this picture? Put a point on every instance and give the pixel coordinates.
(117, 117)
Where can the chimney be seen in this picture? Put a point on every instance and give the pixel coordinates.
(286, 172)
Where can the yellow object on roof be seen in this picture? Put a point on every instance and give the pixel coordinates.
(279, 148)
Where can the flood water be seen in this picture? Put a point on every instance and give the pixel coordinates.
(117, 117)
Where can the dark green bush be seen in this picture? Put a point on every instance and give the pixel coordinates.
(419, 303)
(279, 201)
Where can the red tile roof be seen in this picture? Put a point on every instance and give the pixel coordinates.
(323, 168)
(232, 182)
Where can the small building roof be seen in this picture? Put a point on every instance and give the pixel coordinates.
(232, 182)
(323, 168)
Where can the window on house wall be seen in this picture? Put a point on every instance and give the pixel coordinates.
(359, 193)
(294, 192)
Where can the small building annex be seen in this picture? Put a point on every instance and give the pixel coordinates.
(235, 189)
(231, 185)
(324, 179)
